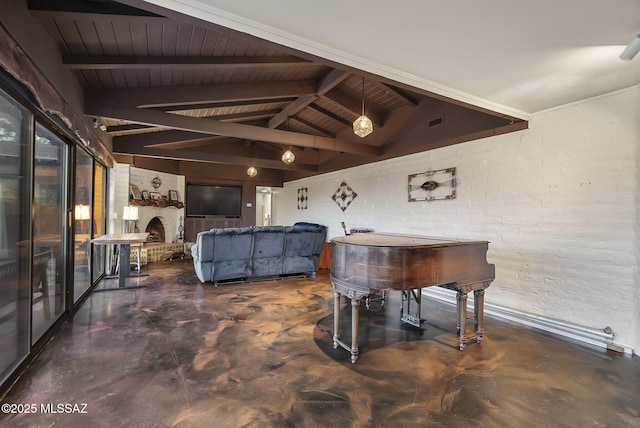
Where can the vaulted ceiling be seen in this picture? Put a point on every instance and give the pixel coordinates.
(170, 88)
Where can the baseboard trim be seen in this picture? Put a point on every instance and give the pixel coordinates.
(600, 338)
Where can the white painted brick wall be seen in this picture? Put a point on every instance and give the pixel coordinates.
(559, 203)
(121, 175)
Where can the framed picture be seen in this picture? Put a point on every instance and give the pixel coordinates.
(134, 192)
(145, 194)
(173, 195)
(432, 185)
(155, 196)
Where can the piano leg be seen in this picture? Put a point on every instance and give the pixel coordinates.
(336, 319)
(355, 315)
(478, 309)
(355, 304)
(461, 299)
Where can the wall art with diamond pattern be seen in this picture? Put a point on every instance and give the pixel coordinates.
(344, 195)
(302, 198)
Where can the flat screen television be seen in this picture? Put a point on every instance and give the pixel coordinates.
(213, 201)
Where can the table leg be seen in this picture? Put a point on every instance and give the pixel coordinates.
(125, 264)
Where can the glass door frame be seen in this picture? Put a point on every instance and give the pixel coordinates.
(22, 98)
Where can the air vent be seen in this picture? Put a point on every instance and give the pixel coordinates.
(436, 122)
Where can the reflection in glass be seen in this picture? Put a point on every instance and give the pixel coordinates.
(14, 234)
(82, 224)
(47, 285)
(99, 221)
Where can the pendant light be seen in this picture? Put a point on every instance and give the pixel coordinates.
(362, 125)
(252, 171)
(288, 157)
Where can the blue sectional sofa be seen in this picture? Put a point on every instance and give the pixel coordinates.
(258, 252)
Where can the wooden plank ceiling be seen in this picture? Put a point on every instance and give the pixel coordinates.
(181, 89)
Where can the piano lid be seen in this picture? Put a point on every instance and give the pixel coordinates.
(394, 261)
(400, 240)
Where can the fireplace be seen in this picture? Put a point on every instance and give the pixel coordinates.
(161, 223)
(165, 224)
(155, 228)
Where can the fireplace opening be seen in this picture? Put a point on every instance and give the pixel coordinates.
(155, 230)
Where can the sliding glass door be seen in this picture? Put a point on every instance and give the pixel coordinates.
(49, 202)
(47, 263)
(99, 220)
(82, 223)
(15, 233)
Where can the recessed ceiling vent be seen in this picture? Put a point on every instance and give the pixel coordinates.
(436, 122)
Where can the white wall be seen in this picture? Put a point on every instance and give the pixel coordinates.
(559, 203)
(122, 175)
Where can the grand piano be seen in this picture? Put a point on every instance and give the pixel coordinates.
(369, 264)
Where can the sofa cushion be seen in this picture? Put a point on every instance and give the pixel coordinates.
(232, 250)
(320, 233)
(268, 246)
(298, 248)
(202, 254)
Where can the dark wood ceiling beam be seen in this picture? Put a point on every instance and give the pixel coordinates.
(216, 127)
(291, 109)
(314, 127)
(354, 106)
(328, 82)
(400, 96)
(130, 127)
(331, 80)
(209, 141)
(172, 140)
(256, 116)
(199, 94)
(169, 62)
(250, 115)
(155, 138)
(339, 120)
(274, 148)
(261, 102)
(75, 9)
(216, 158)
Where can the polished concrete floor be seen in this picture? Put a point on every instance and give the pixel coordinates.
(177, 353)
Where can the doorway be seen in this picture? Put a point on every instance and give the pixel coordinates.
(264, 205)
